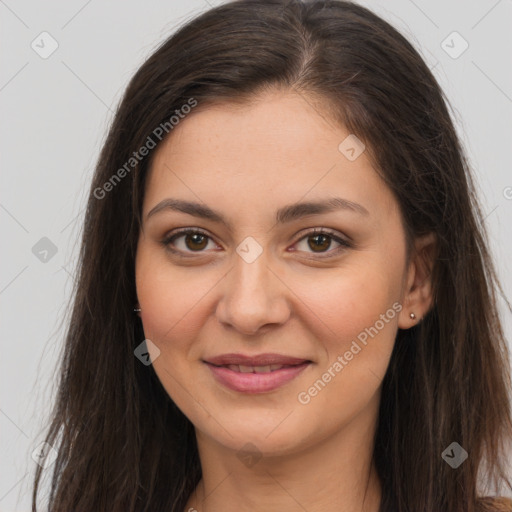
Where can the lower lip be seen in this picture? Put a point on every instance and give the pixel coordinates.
(255, 382)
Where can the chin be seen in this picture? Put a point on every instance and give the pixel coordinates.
(268, 437)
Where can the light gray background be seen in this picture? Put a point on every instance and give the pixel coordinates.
(55, 113)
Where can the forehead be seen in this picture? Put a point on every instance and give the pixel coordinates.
(280, 144)
(274, 122)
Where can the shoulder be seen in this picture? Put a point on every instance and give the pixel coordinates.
(494, 504)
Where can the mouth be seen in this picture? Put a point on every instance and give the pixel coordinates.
(256, 369)
(258, 374)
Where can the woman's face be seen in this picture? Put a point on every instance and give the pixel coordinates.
(257, 280)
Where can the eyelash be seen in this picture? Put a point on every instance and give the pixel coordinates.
(344, 244)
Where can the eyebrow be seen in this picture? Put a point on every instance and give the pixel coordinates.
(286, 214)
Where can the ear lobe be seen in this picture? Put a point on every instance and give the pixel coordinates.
(418, 293)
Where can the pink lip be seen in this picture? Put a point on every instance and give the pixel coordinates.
(256, 382)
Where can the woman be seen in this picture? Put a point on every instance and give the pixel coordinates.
(285, 299)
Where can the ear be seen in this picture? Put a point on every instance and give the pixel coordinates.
(417, 297)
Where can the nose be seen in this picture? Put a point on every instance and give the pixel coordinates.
(253, 297)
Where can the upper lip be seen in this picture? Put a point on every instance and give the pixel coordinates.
(258, 360)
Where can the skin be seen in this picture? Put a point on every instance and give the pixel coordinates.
(246, 163)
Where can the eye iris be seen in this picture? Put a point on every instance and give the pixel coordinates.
(195, 237)
(318, 245)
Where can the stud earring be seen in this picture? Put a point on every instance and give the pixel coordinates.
(413, 316)
(136, 309)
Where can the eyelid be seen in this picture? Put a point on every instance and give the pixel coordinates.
(344, 242)
(323, 231)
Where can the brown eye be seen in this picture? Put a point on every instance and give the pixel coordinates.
(319, 242)
(187, 241)
(195, 241)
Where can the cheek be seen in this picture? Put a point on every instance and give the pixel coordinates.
(356, 324)
(347, 301)
(167, 307)
(172, 313)
(172, 299)
(354, 314)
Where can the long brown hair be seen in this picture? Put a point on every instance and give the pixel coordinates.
(122, 443)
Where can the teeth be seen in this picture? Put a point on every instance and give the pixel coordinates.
(255, 369)
(262, 369)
